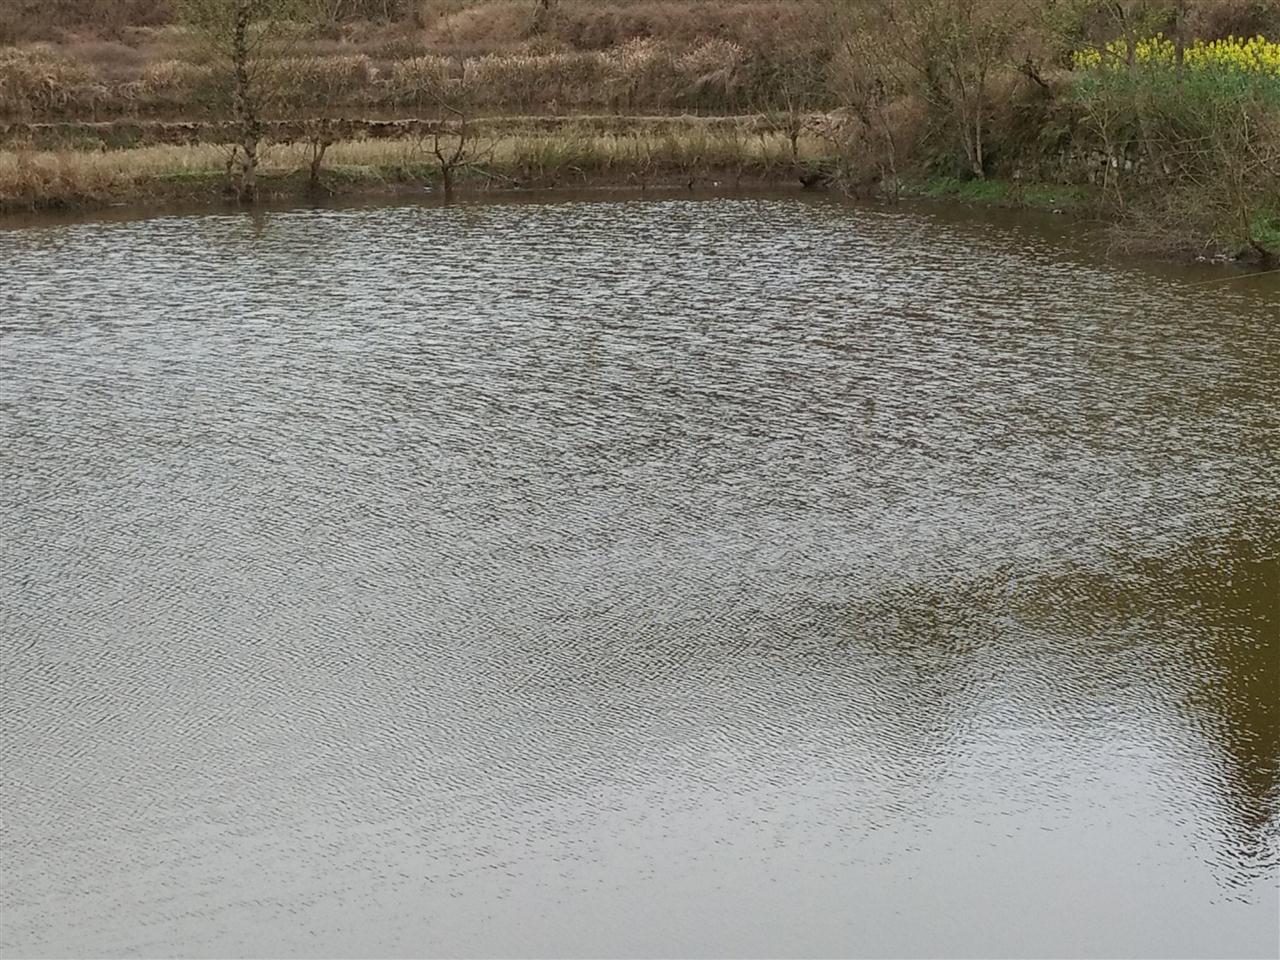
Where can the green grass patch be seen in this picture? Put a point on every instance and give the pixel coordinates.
(974, 191)
(1001, 193)
(1264, 229)
(351, 173)
(1052, 196)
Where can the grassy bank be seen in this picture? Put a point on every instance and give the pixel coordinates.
(526, 153)
(1161, 117)
(66, 179)
(701, 153)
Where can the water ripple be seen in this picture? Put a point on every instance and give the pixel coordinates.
(697, 577)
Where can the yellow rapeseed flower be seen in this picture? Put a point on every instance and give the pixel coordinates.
(1252, 55)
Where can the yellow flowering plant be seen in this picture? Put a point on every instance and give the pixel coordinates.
(1245, 55)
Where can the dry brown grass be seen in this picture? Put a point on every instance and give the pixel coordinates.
(53, 178)
(735, 151)
(40, 81)
(723, 56)
(178, 76)
(537, 83)
(419, 81)
(637, 75)
(714, 76)
(28, 21)
(30, 178)
(480, 29)
(320, 83)
(111, 60)
(583, 151)
(500, 25)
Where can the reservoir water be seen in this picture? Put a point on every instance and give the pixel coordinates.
(748, 575)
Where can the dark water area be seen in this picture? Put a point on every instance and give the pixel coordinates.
(723, 576)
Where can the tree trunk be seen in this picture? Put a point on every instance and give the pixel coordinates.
(971, 137)
(245, 108)
(249, 171)
(979, 155)
(318, 147)
(230, 165)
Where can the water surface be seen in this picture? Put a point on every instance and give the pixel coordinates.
(722, 576)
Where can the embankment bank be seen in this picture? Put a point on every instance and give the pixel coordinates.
(69, 166)
(1160, 120)
(153, 165)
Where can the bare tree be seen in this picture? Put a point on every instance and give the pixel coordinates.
(243, 36)
(948, 51)
(432, 83)
(318, 135)
(871, 141)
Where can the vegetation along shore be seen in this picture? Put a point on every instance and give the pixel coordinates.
(1159, 117)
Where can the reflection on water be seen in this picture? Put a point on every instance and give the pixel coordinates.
(733, 576)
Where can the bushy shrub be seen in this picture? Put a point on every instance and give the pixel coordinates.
(1191, 149)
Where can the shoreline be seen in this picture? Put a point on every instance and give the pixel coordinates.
(158, 165)
(212, 192)
(150, 190)
(355, 184)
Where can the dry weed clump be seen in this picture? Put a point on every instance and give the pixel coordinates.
(179, 76)
(420, 81)
(177, 85)
(111, 60)
(638, 74)
(653, 74)
(641, 72)
(496, 26)
(35, 179)
(712, 70)
(39, 82)
(316, 83)
(499, 25)
(529, 82)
